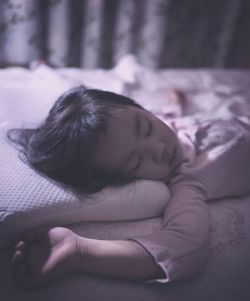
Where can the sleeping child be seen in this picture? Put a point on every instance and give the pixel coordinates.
(93, 138)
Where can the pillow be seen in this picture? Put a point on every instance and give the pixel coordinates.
(28, 200)
(26, 97)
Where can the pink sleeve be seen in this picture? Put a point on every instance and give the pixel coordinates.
(180, 247)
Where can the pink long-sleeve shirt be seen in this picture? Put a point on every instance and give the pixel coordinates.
(180, 247)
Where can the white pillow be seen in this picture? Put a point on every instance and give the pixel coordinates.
(26, 97)
(28, 200)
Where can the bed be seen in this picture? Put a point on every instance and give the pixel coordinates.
(25, 98)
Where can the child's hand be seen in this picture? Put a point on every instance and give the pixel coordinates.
(43, 255)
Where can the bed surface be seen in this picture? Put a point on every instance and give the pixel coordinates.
(211, 93)
(225, 277)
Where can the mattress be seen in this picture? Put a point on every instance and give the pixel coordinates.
(208, 93)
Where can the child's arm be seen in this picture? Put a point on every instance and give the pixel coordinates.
(181, 246)
(125, 259)
(44, 255)
(176, 251)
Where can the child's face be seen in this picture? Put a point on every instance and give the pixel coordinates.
(138, 145)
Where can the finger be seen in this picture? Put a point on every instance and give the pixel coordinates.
(17, 258)
(20, 246)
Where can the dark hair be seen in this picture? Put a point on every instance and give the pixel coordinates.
(62, 147)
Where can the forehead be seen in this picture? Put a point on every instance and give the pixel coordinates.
(113, 146)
